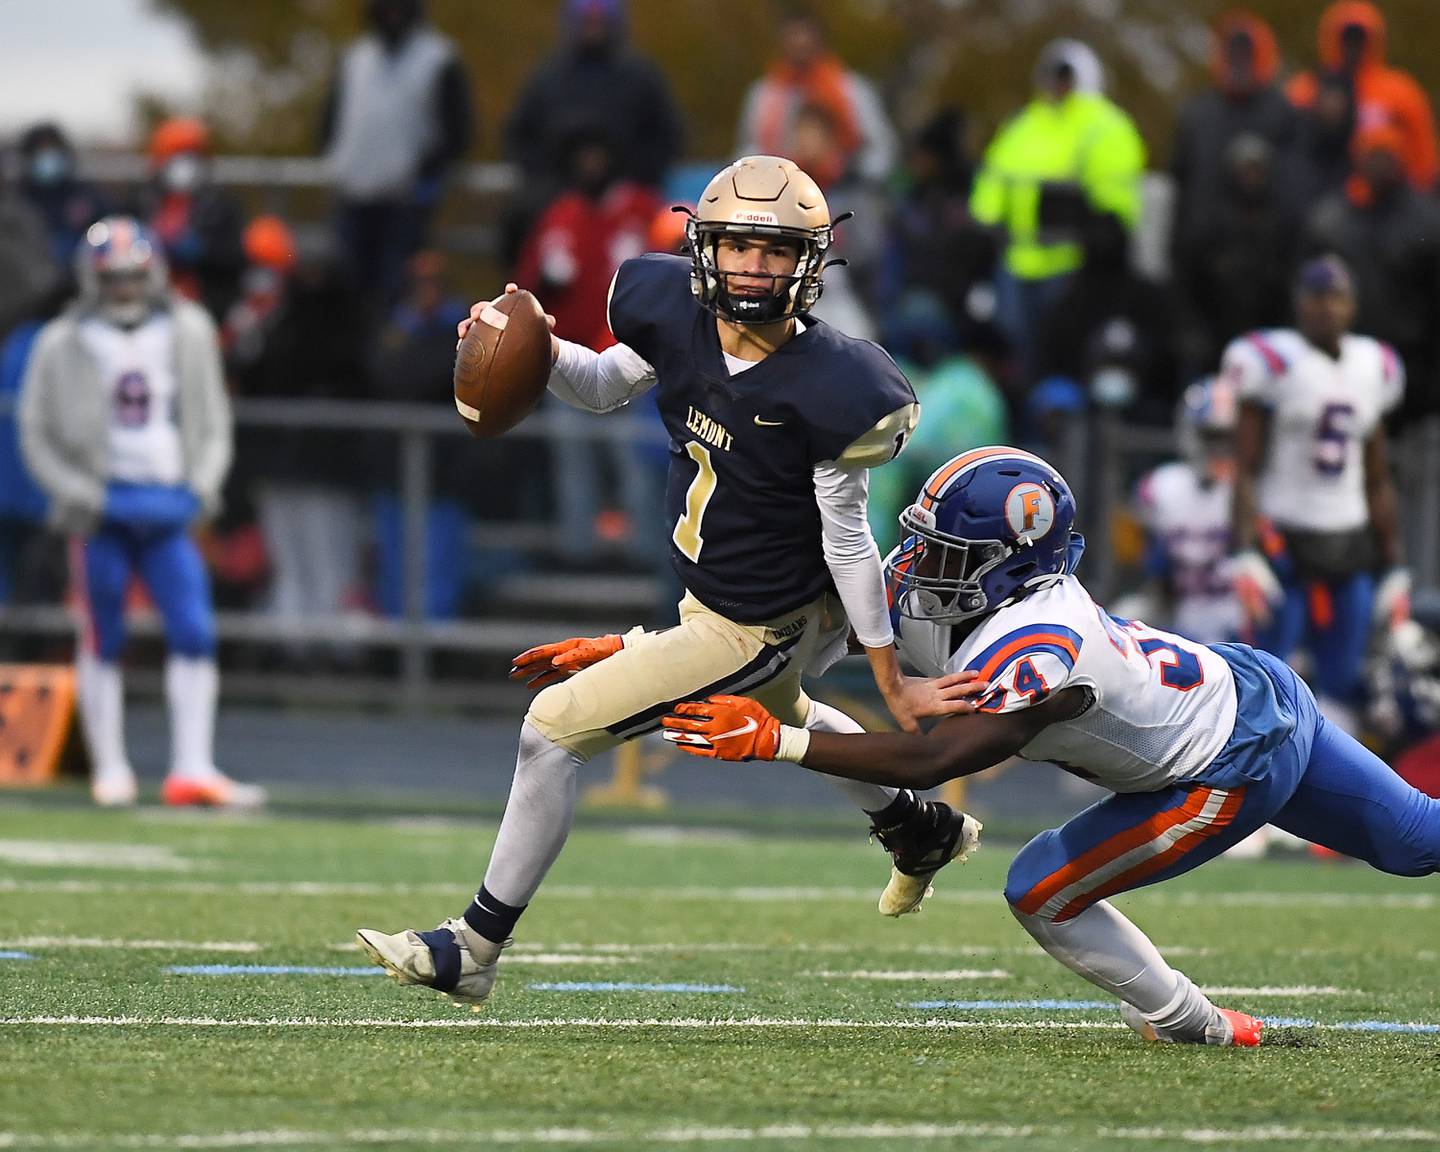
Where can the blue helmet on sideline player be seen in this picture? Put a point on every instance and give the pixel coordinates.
(989, 527)
(1205, 422)
(121, 269)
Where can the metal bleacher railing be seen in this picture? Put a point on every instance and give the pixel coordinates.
(1102, 456)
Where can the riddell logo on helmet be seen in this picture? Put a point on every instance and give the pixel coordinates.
(754, 218)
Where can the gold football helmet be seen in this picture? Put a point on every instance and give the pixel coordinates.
(760, 196)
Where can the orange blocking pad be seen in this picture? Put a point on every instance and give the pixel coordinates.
(37, 713)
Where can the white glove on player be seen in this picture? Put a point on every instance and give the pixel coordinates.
(1255, 584)
(1392, 598)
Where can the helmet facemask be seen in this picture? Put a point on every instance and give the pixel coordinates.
(790, 295)
(940, 578)
(765, 198)
(125, 298)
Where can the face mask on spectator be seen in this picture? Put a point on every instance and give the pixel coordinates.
(49, 166)
(261, 282)
(182, 172)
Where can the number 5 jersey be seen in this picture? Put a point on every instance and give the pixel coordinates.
(1322, 410)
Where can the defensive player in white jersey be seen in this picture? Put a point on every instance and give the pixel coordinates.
(1315, 508)
(125, 423)
(1200, 746)
(1185, 507)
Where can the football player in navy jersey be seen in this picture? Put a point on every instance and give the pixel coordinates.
(774, 418)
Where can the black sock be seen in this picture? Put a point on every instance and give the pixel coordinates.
(897, 812)
(491, 917)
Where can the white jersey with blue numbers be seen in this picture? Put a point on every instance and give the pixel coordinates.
(1188, 519)
(137, 366)
(1163, 707)
(1322, 410)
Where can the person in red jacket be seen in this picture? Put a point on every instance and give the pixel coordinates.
(569, 259)
(1352, 43)
(585, 234)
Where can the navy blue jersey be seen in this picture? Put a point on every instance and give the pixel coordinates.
(740, 498)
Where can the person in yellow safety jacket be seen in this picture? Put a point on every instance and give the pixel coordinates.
(1071, 152)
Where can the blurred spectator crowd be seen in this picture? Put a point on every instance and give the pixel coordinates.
(1002, 278)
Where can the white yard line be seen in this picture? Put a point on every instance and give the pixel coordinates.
(1282, 990)
(826, 948)
(740, 895)
(131, 945)
(93, 854)
(683, 1023)
(558, 958)
(1310, 1137)
(477, 1021)
(902, 976)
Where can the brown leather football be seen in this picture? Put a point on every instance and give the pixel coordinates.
(502, 365)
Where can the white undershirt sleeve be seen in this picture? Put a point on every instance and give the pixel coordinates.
(851, 553)
(599, 381)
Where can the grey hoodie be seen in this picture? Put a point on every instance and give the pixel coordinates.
(65, 406)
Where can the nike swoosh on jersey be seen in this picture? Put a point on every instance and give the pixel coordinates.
(768, 423)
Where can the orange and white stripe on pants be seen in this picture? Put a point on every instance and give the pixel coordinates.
(1126, 859)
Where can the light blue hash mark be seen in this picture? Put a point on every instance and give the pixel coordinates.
(267, 970)
(1009, 1005)
(1348, 1025)
(608, 986)
(1384, 1026)
(6, 955)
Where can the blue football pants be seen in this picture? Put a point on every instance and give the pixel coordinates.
(168, 562)
(1323, 785)
(1332, 619)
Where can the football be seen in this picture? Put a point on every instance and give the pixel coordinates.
(502, 365)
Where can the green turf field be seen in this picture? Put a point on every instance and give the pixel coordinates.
(807, 1037)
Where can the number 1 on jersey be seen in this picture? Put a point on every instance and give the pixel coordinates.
(687, 536)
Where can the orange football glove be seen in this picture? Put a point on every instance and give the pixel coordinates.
(551, 663)
(724, 728)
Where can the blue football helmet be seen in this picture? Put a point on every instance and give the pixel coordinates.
(989, 527)
(121, 269)
(1205, 421)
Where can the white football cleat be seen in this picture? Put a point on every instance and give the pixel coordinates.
(453, 958)
(115, 787)
(1229, 1029)
(920, 848)
(212, 790)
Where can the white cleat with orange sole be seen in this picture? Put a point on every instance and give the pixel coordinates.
(213, 790)
(1230, 1029)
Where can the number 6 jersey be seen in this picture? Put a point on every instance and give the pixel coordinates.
(1322, 410)
(1163, 708)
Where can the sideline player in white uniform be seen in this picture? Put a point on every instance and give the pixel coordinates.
(774, 419)
(125, 423)
(1200, 746)
(1315, 507)
(1185, 508)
